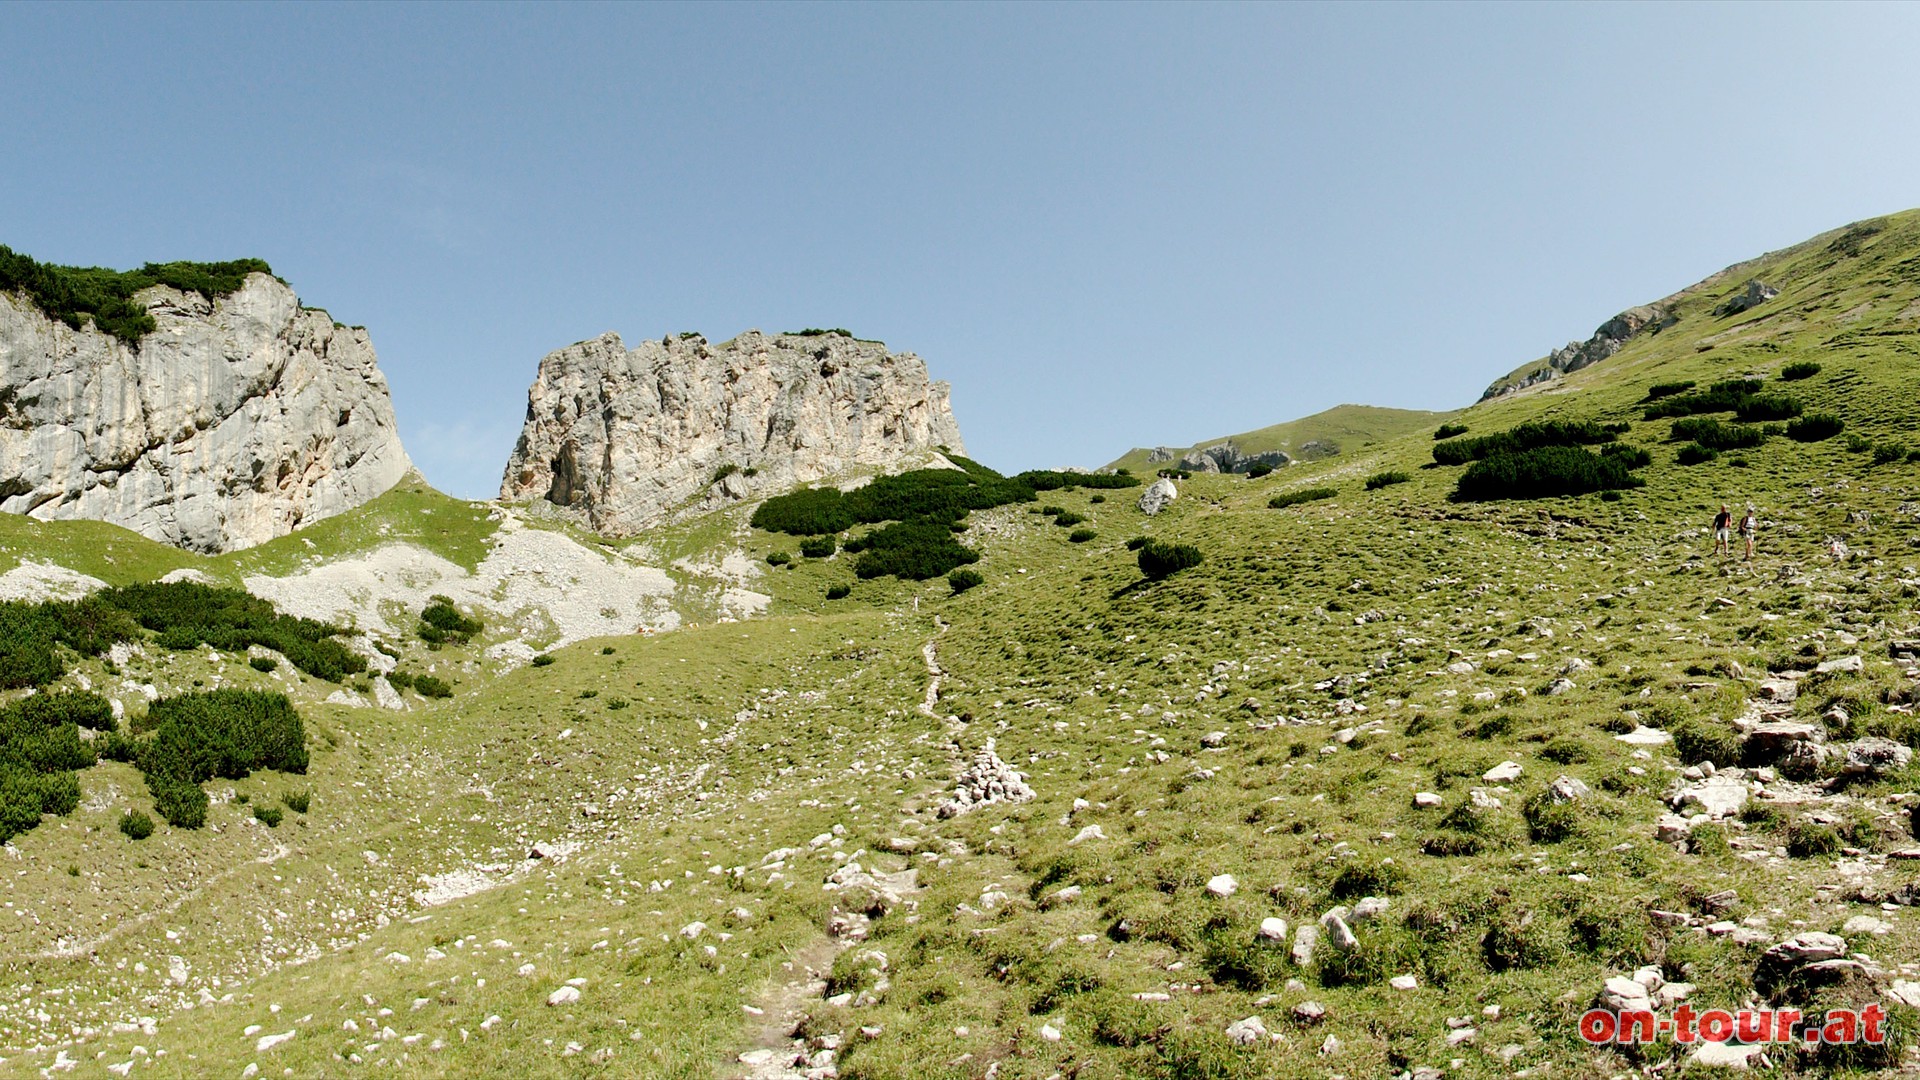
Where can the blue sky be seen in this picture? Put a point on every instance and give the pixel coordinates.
(1107, 226)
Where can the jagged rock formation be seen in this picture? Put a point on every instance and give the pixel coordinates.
(1756, 293)
(236, 420)
(625, 438)
(1228, 458)
(1606, 341)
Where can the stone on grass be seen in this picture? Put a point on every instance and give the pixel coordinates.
(1273, 929)
(1370, 907)
(1845, 665)
(1502, 773)
(1566, 789)
(1427, 800)
(1222, 885)
(1090, 832)
(1404, 982)
(1157, 496)
(1715, 796)
(1247, 1031)
(565, 995)
(1876, 756)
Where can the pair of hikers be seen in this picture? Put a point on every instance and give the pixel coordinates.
(1723, 531)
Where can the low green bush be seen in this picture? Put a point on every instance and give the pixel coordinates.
(1448, 431)
(136, 824)
(1668, 389)
(1067, 519)
(1815, 427)
(1304, 495)
(263, 664)
(1159, 560)
(297, 801)
(270, 816)
(1081, 536)
(1386, 479)
(1858, 444)
(1888, 453)
(839, 592)
(1715, 435)
(541, 660)
(1527, 436)
(186, 615)
(1728, 395)
(723, 472)
(1761, 407)
(1633, 457)
(1259, 469)
(818, 547)
(1799, 369)
(442, 623)
(1137, 543)
(962, 580)
(1695, 454)
(403, 680)
(1543, 472)
(914, 550)
(779, 558)
(74, 294)
(429, 686)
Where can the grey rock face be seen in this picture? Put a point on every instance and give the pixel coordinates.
(1157, 496)
(1757, 293)
(235, 421)
(624, 438)
(1227, 458)
(1606, 341)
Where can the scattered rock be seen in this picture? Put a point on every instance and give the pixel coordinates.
(1502, 773)
(1247, 1031)
(1404, 982)
(1566, 789)
(1089, 832)
(986, 781)
(565, 995)
(1719, 796)
(1222, 885)
(1309, 1012)
(1427, 800)
(1876, 756)
(1158, 495)
(1845, 665)
(1273, 929)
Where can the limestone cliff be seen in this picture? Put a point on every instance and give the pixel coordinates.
(236, 419)
(624, 438)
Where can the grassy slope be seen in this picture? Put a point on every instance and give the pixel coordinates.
(1353, 427)
(1101, 689)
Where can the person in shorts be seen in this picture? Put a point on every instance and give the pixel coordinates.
(1749, 525)
(1723, 531)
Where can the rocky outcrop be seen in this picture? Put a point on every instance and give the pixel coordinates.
(1228, 458)
(1607, 340)
(236, 420)
(1756, 293)
(626, 438)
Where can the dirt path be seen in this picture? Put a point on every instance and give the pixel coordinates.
(768, 1050)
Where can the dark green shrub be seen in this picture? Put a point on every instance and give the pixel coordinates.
(29, 633)
(1889, 453)
(818, 547)
(186, 615)
(1610, 496)
(1799, 369)
(429, 686)
(779, 558)
(1081, 536)
(1633, 457)
(1815, 427)
(403, 680)
(805, 512)
(962, 580)
(73, 294)
(1668, 389)
(723, 472)
(136, 824)
(1769, 407)
(1711, 433)
(1695, 454)
(1040, 480)
(1137, 543)
(269, 816)
(915, 550)
(1259, 469)
(263, 664)
(1160, 560)
(1175, 474)
(1517, 941)
(1053, 511)
(441, 622)
(1808, 839)
(1729, 395)
(541, 660)
(1543, 472)
(1448, 431)
(79, 707)
(1527, 436)
(1549, 822)
(1386, 479)
(1304, 495)
(1858, 444)
(1097, 499)
(297, 801)
(839, 592)
(1067, 519)
(811, 332)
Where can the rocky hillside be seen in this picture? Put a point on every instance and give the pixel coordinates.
(1325, 434)
(624, 437)
(235, 418)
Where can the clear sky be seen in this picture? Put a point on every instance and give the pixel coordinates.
(1107, 226)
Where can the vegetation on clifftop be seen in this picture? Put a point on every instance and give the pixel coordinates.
(73, 294)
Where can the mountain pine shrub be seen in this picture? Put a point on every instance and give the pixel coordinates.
(1799, 369)
(1534, 433)
(1695, 454)
(1668, 389)
(1259, 469)
(431, 686)
(1448, 431)
(839, 592)
(1815, 427)
(1386, 479)
(818, 547)
(442, 623)
(1713, 434)
(779, 558)
(962, 580)
(1081, 536)
(1303, 495)
(136, 824)
(1543, 472)
(1158, 559)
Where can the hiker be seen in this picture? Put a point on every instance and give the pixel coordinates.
(1723, 531)
(1748, 526)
